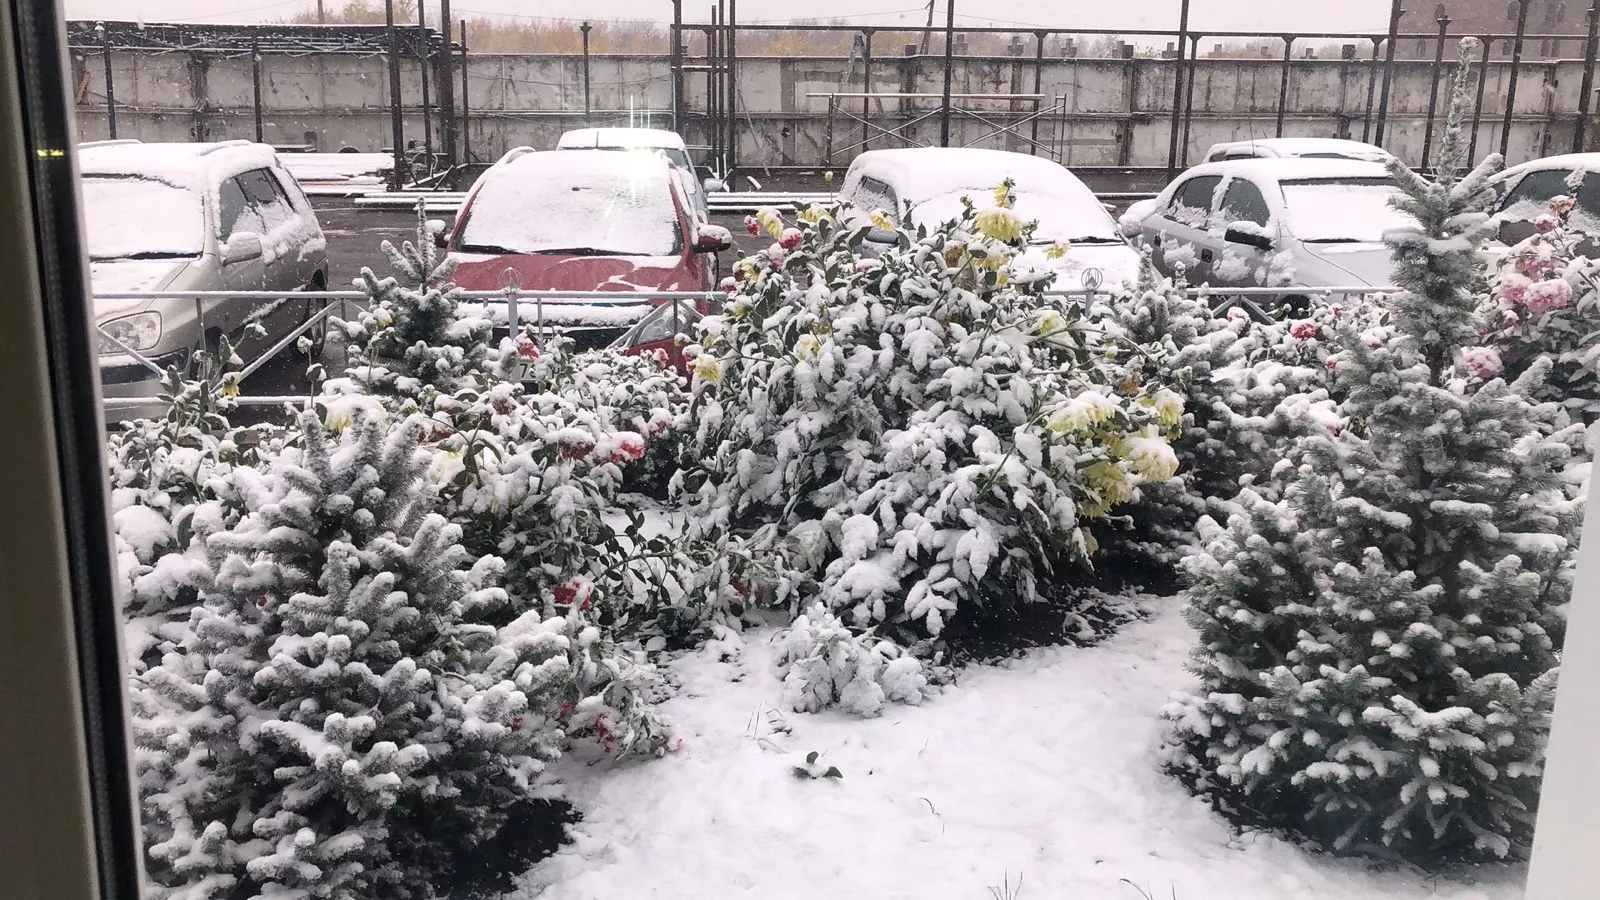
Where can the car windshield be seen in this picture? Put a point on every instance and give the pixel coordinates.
(1342, 210)
(621, 212)
(134, 217)
(1060, 218)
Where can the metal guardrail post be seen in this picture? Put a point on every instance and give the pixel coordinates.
(447, 87)
(866, 85)
(1188, 97)
(1388, 68)
(396, 126)
(1038, 85)
(466, 119)
(111, 90)
(1433, 91)
(255, 83)
(1372, 90)
(1283, 83)
(949, 70)
(1477, 107)
(1177, 89)
(827, 140)
(585, 28)
(1511, 86)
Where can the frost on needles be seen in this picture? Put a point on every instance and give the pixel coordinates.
(1375, 664)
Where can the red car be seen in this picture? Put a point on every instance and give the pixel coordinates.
(587, 220)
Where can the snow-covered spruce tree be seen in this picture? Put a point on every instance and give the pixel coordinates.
(413, 332)
(1374, 672)
(332, 725)
(931, 431)
(1546, 305)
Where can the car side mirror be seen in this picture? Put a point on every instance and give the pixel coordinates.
(715, 185)
(1250, 237)
(439, 231)
(241, 247)
(712, 239)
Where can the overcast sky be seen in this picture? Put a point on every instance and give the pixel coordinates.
(1225, 15)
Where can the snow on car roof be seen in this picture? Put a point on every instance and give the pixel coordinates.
(1588, 162)
(193, 165)
(1303, 146)
(621, 137)
(1291, 169)
(918, 173)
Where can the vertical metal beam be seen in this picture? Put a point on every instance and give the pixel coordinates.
(1038, 84)
(1177, 89)
(447, 86)
(732, 97)
(466, 117)
(255, 84)
(1477, 107)
(1433, 91)
(424, 51)
(1395, 12)
(1372, 90)
(714, 88)
(111, 88)
(866, 86)
(587, 108)
(677, 65)
(1188, 97)
(1586, 92)
(1511, 87)
(949, 70)
(1283, 82)
(396, 126)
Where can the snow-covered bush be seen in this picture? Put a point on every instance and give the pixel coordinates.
(1546, 305)
(342, 718)
(1375, 672)
(930, 431)
(413, 332)
(824, 663)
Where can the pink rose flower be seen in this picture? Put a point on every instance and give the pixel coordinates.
(1483, 362)
(777, 254)
(791, 238)
(752, 225)
(1546, 224)
(1304, 331)
(1514, 287)
(1561, 205)
(526, 348)
(1545, 296)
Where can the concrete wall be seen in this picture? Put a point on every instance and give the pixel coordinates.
(1114, 112)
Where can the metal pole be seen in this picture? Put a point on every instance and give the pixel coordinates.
(1188, 97)
(255, 83)
(866, 86)
(1511, 86)
(677, 64)
(396, 126)
(585, 28)
(1477, 108)
(322, 14)
(732, 96)
(827, 139)
(949, 69)
(424, 51)
(1396, 11)
(111, 91)
(447, 86)
(1038, 82)
(1177, 89)
(1372, 91)
(1283, 83)
(714, 88)
(1433, 92)
(466, 118)
(1586, 93)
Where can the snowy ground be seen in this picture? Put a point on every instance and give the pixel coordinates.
(1042, 771)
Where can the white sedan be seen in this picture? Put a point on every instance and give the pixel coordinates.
(933, 180)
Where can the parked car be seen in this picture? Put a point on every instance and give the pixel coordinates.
(933, 180)
(1298, 224)
(583, 220)
(669, 143)
(191, 217)
(1298, 148)
(1525, 192)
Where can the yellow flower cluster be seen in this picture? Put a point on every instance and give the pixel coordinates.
(1002, 195)
(1000, 225)
(1049, 323)
(707, 369)
(807, 346)
(1083, 412)
(1111, 487)
(770, 221)
(1168, 406)
(1148, 455)
(1057, 250)
(880, 219)
(747, 271)
(812, 214)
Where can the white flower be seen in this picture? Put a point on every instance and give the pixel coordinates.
(1149, 455)
(807, 346)
(707, 369)
(1084, 411)
(1483, 362)
(1168, 406)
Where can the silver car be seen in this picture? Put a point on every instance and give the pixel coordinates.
(1295, 224)
(190, 217)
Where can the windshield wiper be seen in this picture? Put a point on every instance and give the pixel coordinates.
(148, 254)
(485, 248)
(1338, 240)
(582, 251)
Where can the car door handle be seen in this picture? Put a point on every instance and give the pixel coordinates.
(1206, 256)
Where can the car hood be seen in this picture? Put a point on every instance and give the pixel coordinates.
(1360, 264)
(1118, 264)
(112, 276)
(552, 272)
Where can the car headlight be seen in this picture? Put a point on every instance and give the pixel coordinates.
(140, 331)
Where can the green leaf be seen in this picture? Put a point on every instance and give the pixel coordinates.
(811, 758)
(833, 772)
(802, 772)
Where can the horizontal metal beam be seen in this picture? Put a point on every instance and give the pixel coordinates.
(621, 297)
(844, 95)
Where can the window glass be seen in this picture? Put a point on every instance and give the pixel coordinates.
(236, 212)
(1191, 204)
(267, 198)
(536, 205)
(1243, 202)
(872, 194)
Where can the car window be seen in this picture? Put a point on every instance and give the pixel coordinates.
(1244, 202)
(268, 198)
(872, 194)
(1531, 198)
(1241, 154)
(1191, 202)
(235, 211)
(596, 211)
